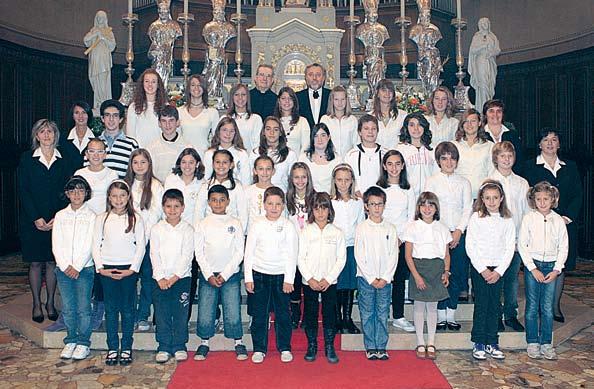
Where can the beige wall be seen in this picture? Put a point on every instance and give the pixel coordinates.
(533, 29)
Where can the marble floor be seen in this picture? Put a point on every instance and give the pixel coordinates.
(25, 365)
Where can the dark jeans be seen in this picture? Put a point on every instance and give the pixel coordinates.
(297, 288)
(268, 291)
(312, 308)
(171, 311)
(398, 285)
(510, 288)
(487, 309)
(120, 298)
(459, 279)
(146, 287)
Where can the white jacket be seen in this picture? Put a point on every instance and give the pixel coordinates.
(376, 250)
(490, 241)
(172, 250)
(72, 237)
(322, 253)
(543, 238)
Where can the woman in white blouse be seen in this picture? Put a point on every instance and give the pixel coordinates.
(321, 158)
(441, 118)
(249, 123)
(142, 123)
(389, 117)
(296, 127)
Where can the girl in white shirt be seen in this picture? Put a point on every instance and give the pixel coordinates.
(399, 210)
(415, 146)
(543, 245)
(389, 116)
(321, 157)
(322, 256)
(227, 137)
(348, 213)
(273, 143)
(263, 172)
(72, 240)
(249, 123)
(428, 257)
(341, 123)
(146, 196)
(490, 241)
(118, 249)
(441, 118)
(150, 96)
(197, 120)
(296, 127)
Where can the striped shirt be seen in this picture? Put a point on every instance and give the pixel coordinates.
(118, 155)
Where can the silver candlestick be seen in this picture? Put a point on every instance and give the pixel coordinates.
(461, 91)
(403, 22)
(128, 86)
(238, 19)
(185, 19)
(353, 92)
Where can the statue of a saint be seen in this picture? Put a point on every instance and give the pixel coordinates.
(373, 35)
(217, 33)
(426, 35)
(100, 42)
(163, 32)
(481, 62)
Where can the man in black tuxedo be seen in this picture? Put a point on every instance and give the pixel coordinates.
(262, 98)
(313, 101)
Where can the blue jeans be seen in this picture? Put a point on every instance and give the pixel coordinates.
(459, 279)
(268, 293)
(539, 297)
(510, 288)
(146, 287)
(208, 298)
(120, 298)
(374, 306)
(171, 312)
(76, 305)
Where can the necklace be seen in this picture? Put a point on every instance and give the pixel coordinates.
(197, 105)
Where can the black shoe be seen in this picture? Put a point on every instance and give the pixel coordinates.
(500, 326)
(53, 316)
(351, 328)
(37, 318)
(463, 296)
(312, 351)
(442, 325)
(514, 324)
(453, 326)
(559, 318)
(126, 357)
(112, 357)
(371, 355)
(331, 353)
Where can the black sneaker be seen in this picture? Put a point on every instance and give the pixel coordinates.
(371, 355)
(241, 352)
(201, 353)
(382, 355)
(514, 324)
(442, 325)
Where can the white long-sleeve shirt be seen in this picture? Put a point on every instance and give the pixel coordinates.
(322, 253)
(255, 202)
(420, 165)
(154, 212)
(297, 135)
(321, 175)
(376, 250)
(113, 246)
(455, 199)
(164, 154)
(271, 248)
(144, 127)
(249, 129)
(430, 240)
(347, 216)
(443, 131)
(99, 182)
(242, 169)
(400, 206)
(200, 129)
(389, 134)
(475, 163)
(172, 250)
(366, 164)
(515, 189)
(237, 202)
(219, 245)
(281, 169)
(490, 241)
(190, 192)
(343, 132)
(72, 237)
(543, 238)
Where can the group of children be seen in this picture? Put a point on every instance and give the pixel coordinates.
(302, 242)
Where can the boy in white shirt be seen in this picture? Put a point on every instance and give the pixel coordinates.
(376, 253)
(269, 268)
(172, 244)
(219, 252)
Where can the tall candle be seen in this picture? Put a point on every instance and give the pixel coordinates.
(185, 6)
(402, 4)
(129, 6)
(459, 8)
(352, 9)
(238, 7)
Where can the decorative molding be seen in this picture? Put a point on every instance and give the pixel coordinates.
(549, 42)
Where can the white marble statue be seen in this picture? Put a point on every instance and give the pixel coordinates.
(481, 62)
(163, 32)
(100, 42)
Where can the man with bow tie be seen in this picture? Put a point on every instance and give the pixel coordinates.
(313, 101)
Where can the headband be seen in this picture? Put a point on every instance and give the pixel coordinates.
(492, 183)
(121, 182)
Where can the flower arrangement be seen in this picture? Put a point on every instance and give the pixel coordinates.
(411, 101)
(175, 94)
(96, 126)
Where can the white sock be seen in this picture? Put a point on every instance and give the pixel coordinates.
(204, 342)
(431, 322)
(238, 341)
(451, 315)
(441, 315)
(419, 320)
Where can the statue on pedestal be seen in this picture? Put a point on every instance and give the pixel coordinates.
(373, 35)
(100, 42)
(481, 62)
(426, 35)
(217, 33)
(163, 32)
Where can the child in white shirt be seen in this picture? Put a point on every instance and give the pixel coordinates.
(322, 256)
(172, 250)
(263, 172)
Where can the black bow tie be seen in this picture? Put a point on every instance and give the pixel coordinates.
(316, 94)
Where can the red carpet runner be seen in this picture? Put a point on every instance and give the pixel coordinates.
(221, 370)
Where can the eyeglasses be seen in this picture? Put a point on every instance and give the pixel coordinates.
(93, 152)
(379, 205)
(78, 191)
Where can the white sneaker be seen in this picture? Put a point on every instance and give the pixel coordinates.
(162, 357)
(181, 355)
(258, 357)
(286, 356)
(548, 352)
(67, 351)
(533, 351)
(403, 324)
(81, 352)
